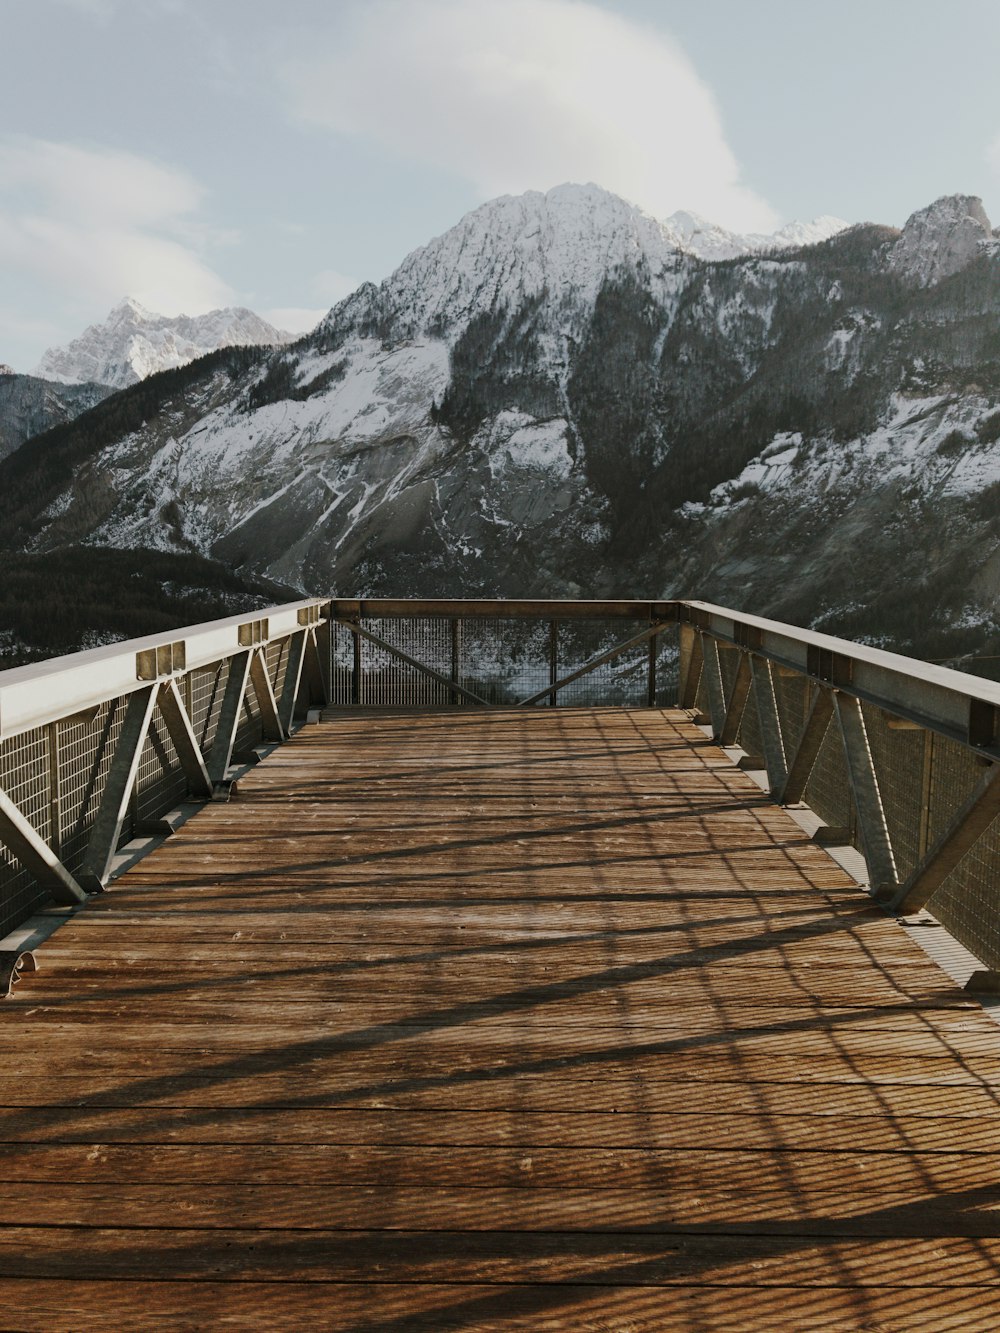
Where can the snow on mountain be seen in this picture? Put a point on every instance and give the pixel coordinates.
(561, 396)
(708, 241)
(133, 343)
(940, 239)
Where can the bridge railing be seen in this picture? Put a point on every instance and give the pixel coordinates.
(898, 757)
(96, 746)
(901, 758)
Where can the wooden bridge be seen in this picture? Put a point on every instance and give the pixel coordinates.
(482, 1017)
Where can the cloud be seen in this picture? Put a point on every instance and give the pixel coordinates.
(331, 286)
(96, 224)
(526, 94)
(294, 319)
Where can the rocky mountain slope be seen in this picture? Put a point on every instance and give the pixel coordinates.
(133, 343)
(558, 396)
(29, 406)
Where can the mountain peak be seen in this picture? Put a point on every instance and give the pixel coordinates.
(134, 342)
(940, 240)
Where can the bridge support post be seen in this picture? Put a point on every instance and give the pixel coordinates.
(770, 723)
(737, 702)
(37, 858)
(272, 725)
(804, 759)
(118, 789)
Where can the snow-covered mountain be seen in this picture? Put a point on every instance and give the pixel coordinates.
(133, 343)
(708, 241)
(558, 397)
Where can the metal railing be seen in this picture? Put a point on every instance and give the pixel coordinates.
(95, 746)
(898, 757)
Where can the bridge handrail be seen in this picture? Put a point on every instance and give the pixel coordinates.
(899, 756)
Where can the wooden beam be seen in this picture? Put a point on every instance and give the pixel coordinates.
(875, 842)
(35, 856)
(971, 822)
(312, 668)
(453, 685)
(737, 702)
(804, 759)
(107, 827)
(592, 665)
(178, 724)
(770, 723)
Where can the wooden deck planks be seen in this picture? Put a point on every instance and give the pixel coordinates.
(493, 1018)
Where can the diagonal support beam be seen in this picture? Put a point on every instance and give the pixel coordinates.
(293, 680)
(360, 633)
(107, 826)
(37, 858)
(804, 759)
(712, 671)
(971, 822)
(737, 702)
(221, 752)
(312, 670)
(178, 724)
(593, 664)
(874, 831)
(770, 723)
(270, 718)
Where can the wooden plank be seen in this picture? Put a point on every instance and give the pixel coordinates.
(485, 1017)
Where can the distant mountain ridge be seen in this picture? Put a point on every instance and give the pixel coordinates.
(133, 343)
(556, 398)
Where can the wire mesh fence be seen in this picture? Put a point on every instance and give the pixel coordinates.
(924, 780)
(497, 660)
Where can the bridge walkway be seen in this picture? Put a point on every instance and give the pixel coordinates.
(495, 1018)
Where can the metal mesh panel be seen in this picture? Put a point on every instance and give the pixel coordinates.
(749, 734)
(250, 730)
(160, 782)
(505, 660)
(277, 664)
(500, 660)
(899, 757)
(204, 691)
(86, 749)
(792, 696)
(622, 681)
(25, 777)
(828, 791)
(388, 680)
(968, 902)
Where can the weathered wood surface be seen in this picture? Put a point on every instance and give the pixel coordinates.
(481, 1019)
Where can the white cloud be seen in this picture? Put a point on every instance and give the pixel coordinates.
(331, 286)
(97, 224)
(526, 94)
(294, 319)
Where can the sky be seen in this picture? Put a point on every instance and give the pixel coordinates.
(201, 153)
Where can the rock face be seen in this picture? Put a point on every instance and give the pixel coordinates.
(29, 406)
(940, 240)
(133, 343)
(556, 398)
